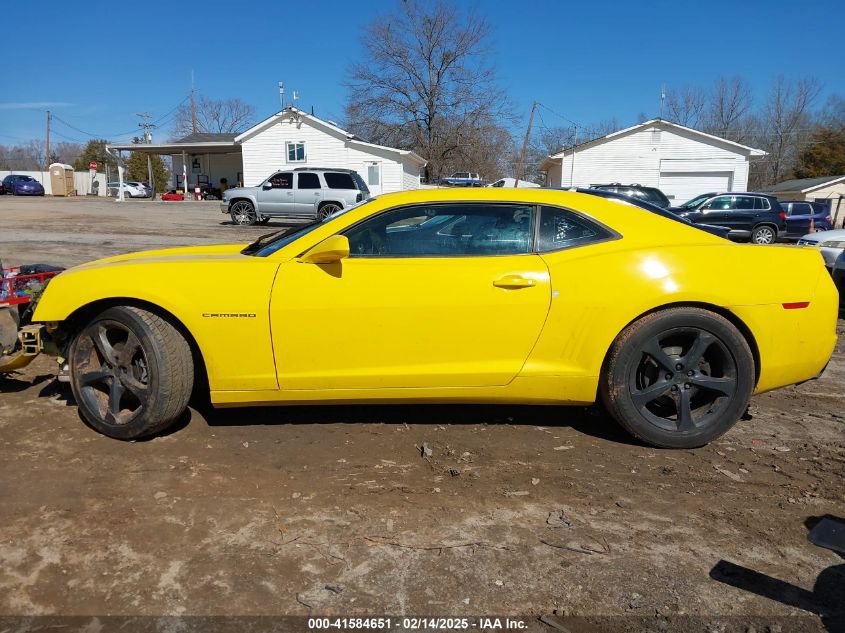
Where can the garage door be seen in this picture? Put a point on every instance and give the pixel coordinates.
(681, 186)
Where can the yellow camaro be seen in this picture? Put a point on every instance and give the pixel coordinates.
(477, 295)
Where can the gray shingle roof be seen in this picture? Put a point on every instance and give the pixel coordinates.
(205, 137)
(800, 184)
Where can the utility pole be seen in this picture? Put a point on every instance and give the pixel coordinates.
(572, 162)
(47, 144)
(193, 106)
(525, 144)
(148, 138)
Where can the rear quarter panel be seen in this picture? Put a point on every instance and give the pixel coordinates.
(598, 290)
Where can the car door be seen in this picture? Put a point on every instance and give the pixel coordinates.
(308, 193)
(415, 314)
(718, 211)
(275, 196)
(798, 216)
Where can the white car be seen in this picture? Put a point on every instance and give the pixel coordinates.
(830, 243)
(511, 182)
(130, 190)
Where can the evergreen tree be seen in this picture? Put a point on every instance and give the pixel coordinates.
(136, 169)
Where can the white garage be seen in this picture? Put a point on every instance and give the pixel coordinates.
(680, 161)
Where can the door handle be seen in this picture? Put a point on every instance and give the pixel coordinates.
(514, 282)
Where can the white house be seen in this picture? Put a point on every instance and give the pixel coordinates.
(293, 138)
(288, 139)
(680, 161)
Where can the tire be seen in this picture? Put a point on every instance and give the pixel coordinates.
(764, 234)
(243, 213)
(131, 373)
(327, 209)
(678, 378)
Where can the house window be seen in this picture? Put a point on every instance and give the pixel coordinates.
(296, 152)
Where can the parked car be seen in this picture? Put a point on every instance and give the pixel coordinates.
(831, 244)
(2, 188)
(802, 215)
(511, 182)
(143, 186)
(463, 179)
(130, 190)
(172, 196)
(719, 231)
(649, 194)
(306, 193)
(521, 295)
(838, 274)
(757, 217)
(21, 185)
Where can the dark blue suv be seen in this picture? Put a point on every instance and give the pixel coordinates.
(805, 217)
(756, 217)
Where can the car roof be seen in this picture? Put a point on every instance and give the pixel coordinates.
(339, 169)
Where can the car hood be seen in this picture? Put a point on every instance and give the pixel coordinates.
(823, 236)
(163, 254)
(240, 191)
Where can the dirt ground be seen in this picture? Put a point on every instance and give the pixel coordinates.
(333, 510)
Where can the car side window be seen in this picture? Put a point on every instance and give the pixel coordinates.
(744, 203)
(761, 204)
(445, 230)
(560, 228)
(308, 181)
(719, 203)
(281, 181)
(800, 208)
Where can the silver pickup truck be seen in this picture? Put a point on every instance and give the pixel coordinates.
(305, 193)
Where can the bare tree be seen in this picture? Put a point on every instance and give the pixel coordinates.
(426, 83)
(216, 116)
(65, 152)
(685, 106)
(729, 104)
(785, 125)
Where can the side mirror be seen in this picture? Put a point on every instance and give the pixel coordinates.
(266, 186)
(330, 250)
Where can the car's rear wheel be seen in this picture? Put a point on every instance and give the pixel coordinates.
(243, 213)
(131, 373)
(326, 210)
(678, 378)
(763, 234)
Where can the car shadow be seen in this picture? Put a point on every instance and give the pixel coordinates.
(586, 420)
(9, 384)
(825, 600)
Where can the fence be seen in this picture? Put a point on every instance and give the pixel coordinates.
(81, 181)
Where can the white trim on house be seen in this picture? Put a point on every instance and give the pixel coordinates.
(646, 124)
(349, 137)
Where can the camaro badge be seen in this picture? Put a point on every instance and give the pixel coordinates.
(231, 315)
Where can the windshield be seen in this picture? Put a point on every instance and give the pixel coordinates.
(271, 242)
(689, 204)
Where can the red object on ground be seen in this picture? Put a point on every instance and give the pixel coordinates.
(9, 286)
(172, 196)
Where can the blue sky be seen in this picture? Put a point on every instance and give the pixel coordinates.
(588, 61)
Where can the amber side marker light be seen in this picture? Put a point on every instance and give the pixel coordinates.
(796, 305)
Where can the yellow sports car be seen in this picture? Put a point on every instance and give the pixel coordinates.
(475, 296)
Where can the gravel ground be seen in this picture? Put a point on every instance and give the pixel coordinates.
(332, 510)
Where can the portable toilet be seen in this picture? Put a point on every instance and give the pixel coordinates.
(61, 180)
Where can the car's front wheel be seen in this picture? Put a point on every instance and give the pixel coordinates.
(243, 213)
(678, 378)
(131, 373)
(763, 234)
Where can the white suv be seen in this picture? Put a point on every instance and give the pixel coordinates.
(306, 193)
